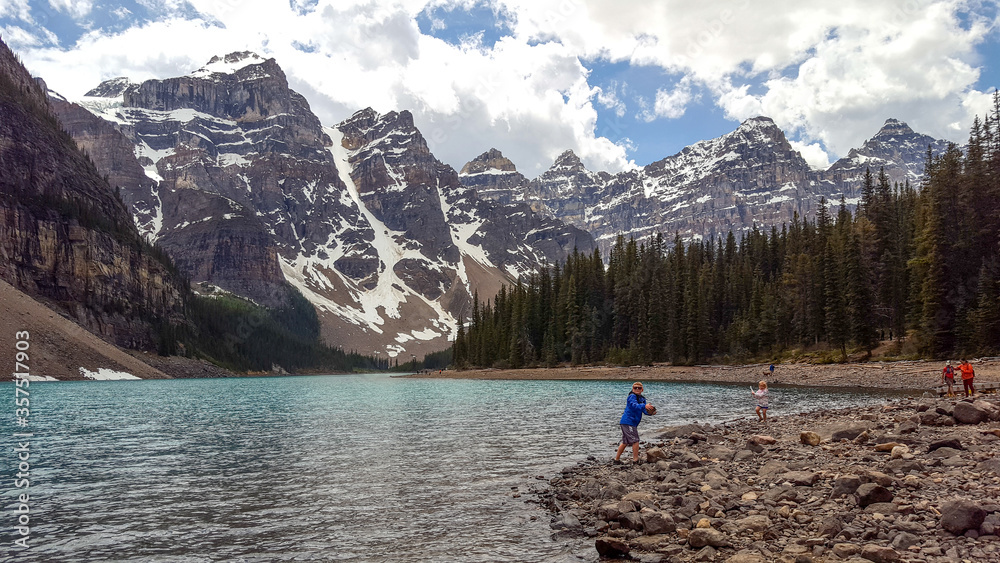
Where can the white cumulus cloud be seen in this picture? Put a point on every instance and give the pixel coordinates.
(828, 74)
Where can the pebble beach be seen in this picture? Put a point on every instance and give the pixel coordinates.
(914, 480)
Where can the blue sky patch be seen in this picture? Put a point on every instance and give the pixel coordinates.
(455, 25)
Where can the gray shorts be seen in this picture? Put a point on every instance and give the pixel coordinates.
(630, 434)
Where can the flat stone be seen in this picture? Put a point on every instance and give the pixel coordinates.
(700, 537)
(880, 554)
(756, 524)
(747, 556)
(951, 442)
(848, 433)
(845, 550)
(801, 478)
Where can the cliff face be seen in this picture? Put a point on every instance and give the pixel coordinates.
(64, 236)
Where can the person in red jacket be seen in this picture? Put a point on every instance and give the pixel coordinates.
(968, 374)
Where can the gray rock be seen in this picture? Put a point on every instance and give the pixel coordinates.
(950, 442)
(720, 452)
(655, 454)
(829, 526)
(707, 553)
(943, 452)
(956, 461)
(566, 522)
(870, 493)
(613, 548)
(631, 521)
(991, 410)
(881, 507)
(990, 465)
(700, 537)
(657, 523)
(846, 550)
(772, 468)
(780, 493)
(990, 525)
(961, 515)
(747, 556)
(879, 554)
(756, 524)
(845, 485)
(848, 433)
(967, 413)
(904, 466)
(904, 540)
(801, 478)
(682, 431)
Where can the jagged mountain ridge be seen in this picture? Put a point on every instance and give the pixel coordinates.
(751, 176)
(249, 191)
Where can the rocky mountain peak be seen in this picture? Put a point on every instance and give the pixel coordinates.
(112, 88)
(893, 128)
(761, 128)
(568, 160)
(230, 64)
(489, 160)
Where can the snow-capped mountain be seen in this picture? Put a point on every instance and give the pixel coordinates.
(751, 176)
(248, 191)
(896, 147)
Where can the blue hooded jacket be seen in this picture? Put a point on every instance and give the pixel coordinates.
(634, 407)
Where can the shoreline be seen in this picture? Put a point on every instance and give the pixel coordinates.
(915, 479)
(920, 375)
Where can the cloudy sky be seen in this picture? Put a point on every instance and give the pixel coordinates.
(622, 83)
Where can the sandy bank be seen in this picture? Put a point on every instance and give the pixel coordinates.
(918, 375)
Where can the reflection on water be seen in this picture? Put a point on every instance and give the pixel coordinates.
(333, 468)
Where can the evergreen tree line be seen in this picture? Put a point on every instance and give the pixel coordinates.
(923, 267)
(238, 335)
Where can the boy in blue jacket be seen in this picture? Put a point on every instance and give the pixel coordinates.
(635, 407)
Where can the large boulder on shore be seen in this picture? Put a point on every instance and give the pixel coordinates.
(613, 548)
(968, 413)
(961, 515)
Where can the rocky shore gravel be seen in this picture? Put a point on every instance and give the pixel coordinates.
(915, 480)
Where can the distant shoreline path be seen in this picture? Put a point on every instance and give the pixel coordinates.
(906, 375)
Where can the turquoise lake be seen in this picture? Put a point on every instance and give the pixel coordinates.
(325, 468)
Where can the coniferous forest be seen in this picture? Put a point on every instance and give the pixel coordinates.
(921, 266)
